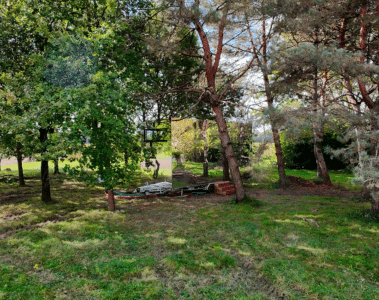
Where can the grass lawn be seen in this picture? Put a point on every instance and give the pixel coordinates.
(197, 168)
(204, 247)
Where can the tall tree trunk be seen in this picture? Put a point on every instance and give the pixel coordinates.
(204, 136)
(231, 157)
(212, 97)
(375, 206)
(45, 178)
(321, 162)
(366, 195)
(21, 179)
(318, 132)
(155, 175)
(279, 157)
(350, 97)
(56, 166)
(111, 202)
(319, 175)
(270, 102)
(178, 158)
(362, 46)
(225, 166)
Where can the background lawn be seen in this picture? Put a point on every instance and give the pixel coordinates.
(203, 247)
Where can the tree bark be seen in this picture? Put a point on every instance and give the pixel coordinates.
(225, 166)
(324, 174)
(279, 157)
(56, 166)
(230, 155)
(375, 206)
(178, 159)
(21, 178)
(111, 202)
(319, 175)
(45, 178)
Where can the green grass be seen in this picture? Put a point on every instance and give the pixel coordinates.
(267, 174)
(197, 168)
(182, 248)
(178, 184)
(195, 248)
(36, 165)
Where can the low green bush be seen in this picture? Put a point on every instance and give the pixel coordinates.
(298, 153)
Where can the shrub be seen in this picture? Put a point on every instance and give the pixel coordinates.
(298, 153)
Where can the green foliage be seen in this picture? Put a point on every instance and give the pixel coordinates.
(195, 144)
(70, 61)
(298, 153)
(104, 114)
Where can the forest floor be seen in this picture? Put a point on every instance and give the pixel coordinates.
(304, 242)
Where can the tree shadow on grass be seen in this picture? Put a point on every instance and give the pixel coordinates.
(365, 215)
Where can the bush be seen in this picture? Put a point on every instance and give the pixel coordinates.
(298, 153)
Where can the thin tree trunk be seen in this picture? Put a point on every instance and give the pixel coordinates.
(318, 131)
(279, 157)
(178, 159)
(362, 45)
(351, 99)
(321, 162)
(45, 178)
(319, 175)
(111, 202)
(21, 179)
(204, 127)
(366, 195)
(56, 166)
(155, 175)
(270, 102)
(230, 155)
(211, 95)
(375, 206)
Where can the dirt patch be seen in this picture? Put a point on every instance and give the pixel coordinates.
(317, 191)
(303, 187)
(13, 199)
(300, 182)
(188, 178)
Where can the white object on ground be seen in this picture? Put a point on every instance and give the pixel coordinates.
(159, 187)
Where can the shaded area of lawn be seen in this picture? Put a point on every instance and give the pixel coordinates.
(196, 248)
